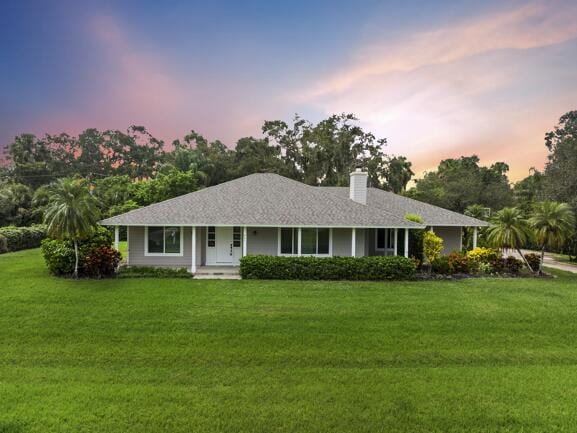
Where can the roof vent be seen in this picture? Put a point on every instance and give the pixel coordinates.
(358, 186)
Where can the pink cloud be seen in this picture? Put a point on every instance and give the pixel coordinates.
(533, 25)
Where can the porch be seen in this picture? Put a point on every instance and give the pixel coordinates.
(211, 250)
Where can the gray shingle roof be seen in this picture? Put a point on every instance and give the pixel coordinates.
(263, 200)
(399, 205)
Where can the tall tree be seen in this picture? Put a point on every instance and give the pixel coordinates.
(560, 181)
(325, 153)
(398, 174)
(553, 223)
(459, 183)
(31, 160)
(71, 214)
(509, 230)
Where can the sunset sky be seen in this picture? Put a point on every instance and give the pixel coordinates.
(438, 79)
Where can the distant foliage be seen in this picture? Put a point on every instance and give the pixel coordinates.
(20, 238)
(330, 268)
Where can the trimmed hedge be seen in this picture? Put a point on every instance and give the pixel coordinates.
(329, 268)
(20, 238)
(152, 272)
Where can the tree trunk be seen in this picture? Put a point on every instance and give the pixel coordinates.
(75, 274)
(525, 260)
(542, 260)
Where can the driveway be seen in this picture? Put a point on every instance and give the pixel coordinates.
(550, 262)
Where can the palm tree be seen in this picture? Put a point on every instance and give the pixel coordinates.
(553, 223)
(72, 213)
(509, 230)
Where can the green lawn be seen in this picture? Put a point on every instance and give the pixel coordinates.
(240, 356)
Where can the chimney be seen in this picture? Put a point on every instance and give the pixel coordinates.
(358, 186)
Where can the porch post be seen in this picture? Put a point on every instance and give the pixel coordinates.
(116, 237)
(300, 241)
(244, 231)
(354, 242)
(475, 233)
(396, 242)
(193, 264)
(406, 242)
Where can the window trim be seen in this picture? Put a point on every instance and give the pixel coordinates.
(179, 254)
(299, 251)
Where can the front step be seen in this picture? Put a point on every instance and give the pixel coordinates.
(217, 273)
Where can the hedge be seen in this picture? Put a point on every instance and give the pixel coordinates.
(329, 268)
(20, 238)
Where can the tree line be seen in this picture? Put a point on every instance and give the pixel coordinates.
(128, 169)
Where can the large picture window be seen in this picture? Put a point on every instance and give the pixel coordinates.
(164, 241)
(313, 241)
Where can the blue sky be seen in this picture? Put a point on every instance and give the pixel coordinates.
(438, 79)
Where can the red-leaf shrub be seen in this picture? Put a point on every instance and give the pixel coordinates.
(458, 263)
(534, 261)
(101, 261)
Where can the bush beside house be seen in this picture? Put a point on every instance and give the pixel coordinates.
(97, 257)
(20, 238)
(329, 268)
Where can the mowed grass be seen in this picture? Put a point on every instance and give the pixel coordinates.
(249, 356)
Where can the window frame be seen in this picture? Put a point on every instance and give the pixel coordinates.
(163, 254)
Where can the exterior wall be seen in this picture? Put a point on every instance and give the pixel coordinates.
(136, 255)
(262, 240)
(452, 238)
(342, 242)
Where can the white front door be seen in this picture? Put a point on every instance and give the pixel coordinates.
(224, 245)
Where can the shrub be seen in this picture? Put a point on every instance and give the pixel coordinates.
(100, 261)
(146, 272)
(513, 264)
(441, 265)
(59, 255)
(458, 263)
(432, 246)
(483, 255)
(20, 238)
(534, 261)
(329, 268)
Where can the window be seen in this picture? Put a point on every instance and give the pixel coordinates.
(385, 240)
(380, 239)
(211, 236)
(236, 237)
(313, 241)
(163, 241)
(289, 241)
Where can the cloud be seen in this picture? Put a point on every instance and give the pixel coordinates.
(533, 25)
(488, 86)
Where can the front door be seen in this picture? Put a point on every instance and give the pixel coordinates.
(224, 245)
